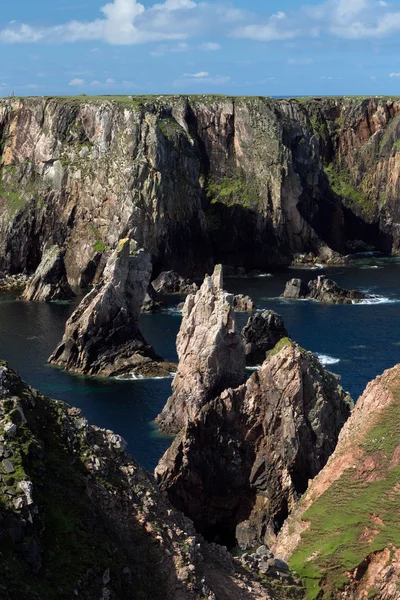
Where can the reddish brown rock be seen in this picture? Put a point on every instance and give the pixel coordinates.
(239, 467)
(102, 337)
(210, 350)
(356, 495)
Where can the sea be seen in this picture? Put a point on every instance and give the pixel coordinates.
(356, 341)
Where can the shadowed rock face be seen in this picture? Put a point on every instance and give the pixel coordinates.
(261, 333)
(50, 279)
(239, 467)
(170, 282)
(248, 182)
(102, 336)
(211, 353)
(344, 535)
(322, 290)
(79, 517)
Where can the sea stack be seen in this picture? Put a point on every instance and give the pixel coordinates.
(322, 289)
(102, 337)
(210, 350)
(240, 466)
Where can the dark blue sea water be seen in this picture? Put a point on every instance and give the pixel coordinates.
(357, 341)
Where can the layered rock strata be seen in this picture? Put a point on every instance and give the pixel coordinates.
(50, 280)
(322, 289)
(344, 535)
(102, 336)
(248, 182)
(240, 465)
(260, 334)
(80, 518)
(210, 350)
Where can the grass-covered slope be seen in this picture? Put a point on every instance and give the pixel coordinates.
(345, 536)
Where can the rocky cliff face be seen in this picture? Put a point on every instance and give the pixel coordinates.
(239, 467)
(50, 280)
(79, 517)
(102, 336)
(344, 536)
(250, 182)
(210, 350)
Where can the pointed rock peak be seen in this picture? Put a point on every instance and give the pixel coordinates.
(217, 278)
(50, 280)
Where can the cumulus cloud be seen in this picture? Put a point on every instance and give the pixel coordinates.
(200, 74)
(394, 75)
(76, 82)
(130, 22)
(201, 77)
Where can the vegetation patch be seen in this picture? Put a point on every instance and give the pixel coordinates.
(233, 189)
(99, 245)
(279, 346)
(354, 517)
(340, 182)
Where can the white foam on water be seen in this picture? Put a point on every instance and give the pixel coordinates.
(138, 377)
(256, 368)
(325, 359)
(265, 275)
(377, 300)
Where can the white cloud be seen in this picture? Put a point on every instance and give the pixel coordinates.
(210, 46)
(77, 82)
(394, 75)
(130, 22)
(165, 48)
(110, 81)
(200, 74)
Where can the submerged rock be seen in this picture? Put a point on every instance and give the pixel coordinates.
(261, 333)
(239, 467)
(102, 337)
(210, 350)
(322, 290)
(344, 535)
(50, 279)
(169, 282)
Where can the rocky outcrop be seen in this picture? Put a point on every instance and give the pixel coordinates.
(283, 177)
(50, 280)
(243, 303)
(79, 517)
(211, 353)
(354, 504)
(260, 334)
(152, 301)
(322, 290)
(239, 467)
(170, 282)
(9, 284)
(102, 337)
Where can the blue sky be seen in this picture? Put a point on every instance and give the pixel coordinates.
(253, 47)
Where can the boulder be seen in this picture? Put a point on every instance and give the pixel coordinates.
(260, 334)
(169, 282)
(152, 301)
(240, 466)
(322, 290)
(50, 280)
(210, 350)
(102, 337)
(243, 303)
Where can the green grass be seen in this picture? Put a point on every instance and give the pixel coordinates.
(279, 346)
(351, 196)
(397, 145)
(233, 189)
(99, 245)
(333, 544)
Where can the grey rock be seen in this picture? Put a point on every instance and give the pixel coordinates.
(260, 334)
(322, 290)
(169, 282)
(50, 280)
(8, 466)
(243, 303)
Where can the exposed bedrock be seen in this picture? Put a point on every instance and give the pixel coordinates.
(239, 467)
(322, 289)
(248, 182)
(80, 518)
(344, 535)
(102, 337)
(50, 280)
(210, 350)
(169, 282)
(260, 334)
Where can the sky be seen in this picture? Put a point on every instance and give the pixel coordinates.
(237, 47)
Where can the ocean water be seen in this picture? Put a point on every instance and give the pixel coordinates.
(356, 341)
